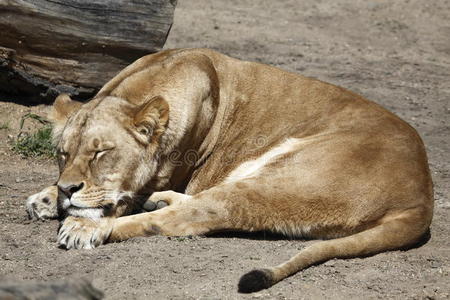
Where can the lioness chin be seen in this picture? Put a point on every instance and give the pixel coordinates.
(235, 145)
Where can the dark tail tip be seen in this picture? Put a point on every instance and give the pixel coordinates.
(255, 280)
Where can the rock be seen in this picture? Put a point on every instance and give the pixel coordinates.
(75, 289)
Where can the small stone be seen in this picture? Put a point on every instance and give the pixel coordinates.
(435, 265)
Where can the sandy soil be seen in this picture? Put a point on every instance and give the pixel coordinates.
(396, 53)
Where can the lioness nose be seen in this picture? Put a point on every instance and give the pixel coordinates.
(70, 189)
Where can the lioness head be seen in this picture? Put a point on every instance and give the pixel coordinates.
(107, 152)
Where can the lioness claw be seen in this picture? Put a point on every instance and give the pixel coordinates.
(84, 233)
(151, 206)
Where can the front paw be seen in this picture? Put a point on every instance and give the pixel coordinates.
(84, 233)
(43, 205)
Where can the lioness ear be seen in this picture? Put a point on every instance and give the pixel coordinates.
(152, 117)
(62, 108)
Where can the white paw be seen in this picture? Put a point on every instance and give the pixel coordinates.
(43, 205)
(84, 233)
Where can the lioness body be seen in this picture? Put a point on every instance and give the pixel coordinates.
(253, 148)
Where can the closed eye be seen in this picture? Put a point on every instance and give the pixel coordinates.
(99, 154)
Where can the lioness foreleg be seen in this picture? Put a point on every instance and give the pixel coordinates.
(182, 217)
(232, 206)
(185, 215)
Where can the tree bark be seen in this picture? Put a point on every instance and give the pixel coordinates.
(74, 46)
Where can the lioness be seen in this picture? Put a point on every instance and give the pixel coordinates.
(236, 145)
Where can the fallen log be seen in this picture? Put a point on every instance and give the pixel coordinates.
(75, 46)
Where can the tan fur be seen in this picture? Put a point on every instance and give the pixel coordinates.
(253, 148)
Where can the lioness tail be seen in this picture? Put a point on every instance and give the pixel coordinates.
(403, 230)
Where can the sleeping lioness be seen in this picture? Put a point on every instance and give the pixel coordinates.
(235, 145)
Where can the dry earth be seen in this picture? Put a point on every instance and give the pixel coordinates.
(396, 53)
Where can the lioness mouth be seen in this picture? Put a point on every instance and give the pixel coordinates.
(86, 212)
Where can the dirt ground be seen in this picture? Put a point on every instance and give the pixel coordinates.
(396, 53)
